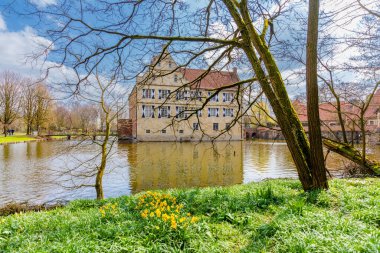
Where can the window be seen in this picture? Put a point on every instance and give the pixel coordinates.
(228, 112)
(214, 98)
(180, 112)
(182, 95)
(181, 131)
(163, 94)
(215, 126)
(194, 94)
(193, 110)
(147, 131)
(228, 126)
(228, 97)
(195, 126)
(164, 112)
(148, 111)
(213, 112)
(163, 131)
(175, 78)
(148, 93)
(170, 64)
(371, 122)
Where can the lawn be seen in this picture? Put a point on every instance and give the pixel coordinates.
(271, 216)
(16, 138)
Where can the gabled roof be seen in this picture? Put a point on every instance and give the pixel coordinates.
(213, 79)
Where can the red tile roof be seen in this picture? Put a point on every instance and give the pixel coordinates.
(213, 80)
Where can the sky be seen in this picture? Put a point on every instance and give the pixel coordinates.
(20, 39)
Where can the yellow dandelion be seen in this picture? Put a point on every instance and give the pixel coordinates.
(151, 214)
(174, 225)
(194, 219)
(158, 212)
(182, 219)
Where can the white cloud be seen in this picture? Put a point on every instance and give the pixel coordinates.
(43, 3)
(15, 47)
(3, 25)
(17, 53)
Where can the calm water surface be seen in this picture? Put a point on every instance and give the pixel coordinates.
(42, 172)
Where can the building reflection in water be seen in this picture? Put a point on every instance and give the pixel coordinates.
(169, 165)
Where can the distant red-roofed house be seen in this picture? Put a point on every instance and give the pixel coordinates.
(331, 126)
(330, 122)
(167, 94)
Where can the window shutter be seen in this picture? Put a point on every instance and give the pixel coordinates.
(168, 111)
(152, 111)
(176, 111)
(143, 111)
(217, 97)
(159, 112)
(224, 97)
(208, 111)
(143, 95)
(200, 113)
(224, 111)
(217, 112)
(159, 94)
(232, 112)
(152, 93)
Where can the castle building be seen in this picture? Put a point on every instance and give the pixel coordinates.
(172, 103)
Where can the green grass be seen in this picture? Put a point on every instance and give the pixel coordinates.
(58, 137)
(271, 216)
(16, 138)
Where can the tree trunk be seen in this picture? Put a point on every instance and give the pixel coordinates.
(318, 169)
(103, 163)
(362, 129)
(352, 154)
(5, 130)
(274, 88)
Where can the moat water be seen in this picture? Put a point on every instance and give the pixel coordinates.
(47, 172)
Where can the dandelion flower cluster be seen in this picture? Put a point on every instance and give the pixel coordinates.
(163, 210)
(108, 209)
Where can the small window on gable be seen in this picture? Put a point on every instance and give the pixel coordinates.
(147, 131)
(175, 78)
(163, 131)
(181, 131)
(170, 64)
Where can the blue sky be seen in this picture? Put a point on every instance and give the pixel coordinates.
(22, 36)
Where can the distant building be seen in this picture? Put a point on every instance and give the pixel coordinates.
(330, 126)
(167, 104)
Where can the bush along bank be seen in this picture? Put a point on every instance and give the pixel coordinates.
(270, 216)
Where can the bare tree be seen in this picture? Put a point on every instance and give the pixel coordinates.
(28, 105)
(10, 97)
(43, 104)
(315, 136)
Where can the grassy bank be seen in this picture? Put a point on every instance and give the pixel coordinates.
(271, 216)
(16, 138)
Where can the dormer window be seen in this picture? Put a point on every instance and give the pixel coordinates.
(175, 78)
